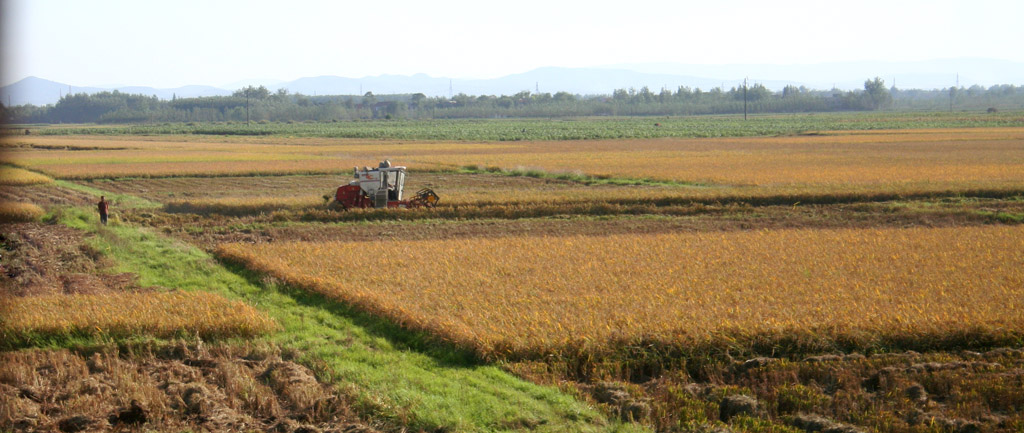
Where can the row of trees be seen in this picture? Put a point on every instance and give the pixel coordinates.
(260, 104)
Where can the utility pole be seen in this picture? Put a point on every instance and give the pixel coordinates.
(744, 99)
(247, 107)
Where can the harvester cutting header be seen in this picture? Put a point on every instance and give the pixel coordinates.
(381, 187)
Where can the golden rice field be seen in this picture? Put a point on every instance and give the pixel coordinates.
(891, 160)
(13, 176)
(89, 157)
(195, 168)
(15, 211)
(967, 157)
(123, 314)
(515, 297)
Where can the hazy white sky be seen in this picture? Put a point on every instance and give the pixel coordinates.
(174, 43)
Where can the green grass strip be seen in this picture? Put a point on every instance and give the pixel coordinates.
(395, 376)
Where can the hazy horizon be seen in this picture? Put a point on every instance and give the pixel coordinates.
(167, 45)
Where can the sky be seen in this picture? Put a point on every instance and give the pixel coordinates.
(168, 44)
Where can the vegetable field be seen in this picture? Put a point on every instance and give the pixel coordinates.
(583, 128)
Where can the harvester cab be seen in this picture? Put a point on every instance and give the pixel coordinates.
(381, 187)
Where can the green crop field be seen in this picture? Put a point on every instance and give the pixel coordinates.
(565, 128)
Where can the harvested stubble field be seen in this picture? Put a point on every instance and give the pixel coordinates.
(251, 195)
(207, 230)
(174, 387)
(794, 290)
(500, 195)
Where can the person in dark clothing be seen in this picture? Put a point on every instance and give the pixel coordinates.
(103, 210)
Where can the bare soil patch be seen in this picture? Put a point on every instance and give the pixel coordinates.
(42, 259)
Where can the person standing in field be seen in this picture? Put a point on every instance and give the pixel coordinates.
(103, 210)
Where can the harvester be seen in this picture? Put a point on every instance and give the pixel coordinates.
(381, 187)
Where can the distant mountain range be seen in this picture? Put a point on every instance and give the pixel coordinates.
(587, 81)
(37, 91)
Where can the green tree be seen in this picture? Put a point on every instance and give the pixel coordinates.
(369, 100)
(252, 92)
(564, 97)
(878, 95)
(417, 100)
(645, 96)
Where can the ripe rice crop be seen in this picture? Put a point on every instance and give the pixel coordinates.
(526, 297)
(13, 211)
(87, 157)
(13, 176)
(954, 159)
(160, 314)
(199, 168)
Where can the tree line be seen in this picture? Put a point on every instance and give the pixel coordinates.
(258, 104)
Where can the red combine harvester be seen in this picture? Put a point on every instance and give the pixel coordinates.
(381, 187)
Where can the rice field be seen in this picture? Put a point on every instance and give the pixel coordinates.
(14, 211)
(951, 158)
(619, 255)
(13, 176)
(844, 167)
(125, 314)
(526, 297)
(894, 161)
